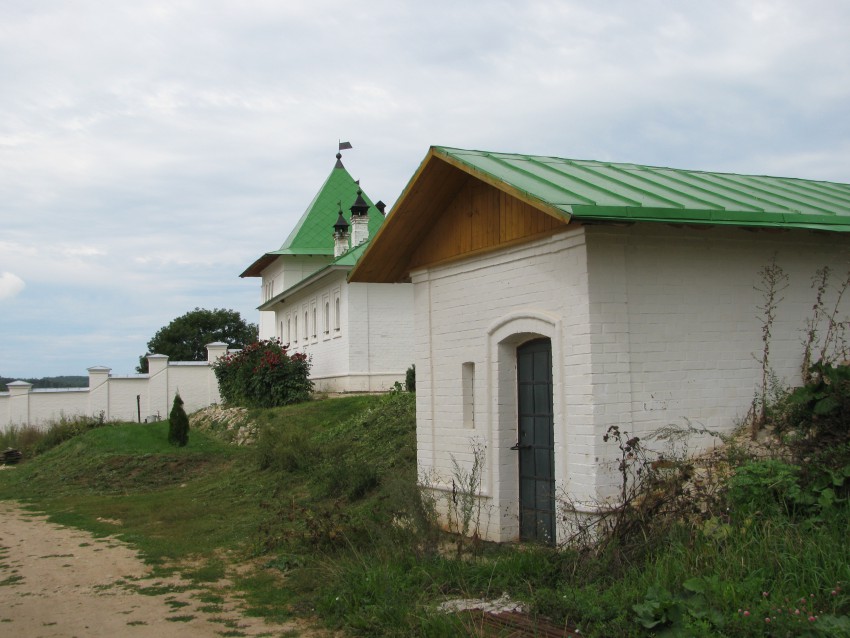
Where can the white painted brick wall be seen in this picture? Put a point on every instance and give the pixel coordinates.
(685, 304)
(374, 346)
(283, 273)
(456, 309)
(654, 325)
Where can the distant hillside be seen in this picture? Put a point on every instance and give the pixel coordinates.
(50, 382)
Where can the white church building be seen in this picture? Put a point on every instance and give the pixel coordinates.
(359, 337)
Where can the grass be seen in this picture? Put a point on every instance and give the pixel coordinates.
(306, 511)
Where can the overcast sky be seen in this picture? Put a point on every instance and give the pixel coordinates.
(151, 151)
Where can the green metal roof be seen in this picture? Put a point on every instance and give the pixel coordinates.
(313, 234)
(592, 190)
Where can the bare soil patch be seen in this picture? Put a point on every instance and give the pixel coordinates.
(62, 582)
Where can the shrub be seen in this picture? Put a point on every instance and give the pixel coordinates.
(263, 375)
(410, 379)
(767, 486)
(819, 411)
(178, 423)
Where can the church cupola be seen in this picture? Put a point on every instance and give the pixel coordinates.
(341, 235)
(359, 220)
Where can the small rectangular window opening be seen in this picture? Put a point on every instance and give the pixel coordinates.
(468, 388)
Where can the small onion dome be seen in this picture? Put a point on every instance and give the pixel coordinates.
(339, 161)
(359, 207)
(341, 226)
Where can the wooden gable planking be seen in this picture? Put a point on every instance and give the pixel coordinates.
(430, 190)
(480, 218)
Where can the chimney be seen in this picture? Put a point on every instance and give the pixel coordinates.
(359, 220)
(340, 235)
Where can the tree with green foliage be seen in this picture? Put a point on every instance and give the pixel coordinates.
(48, 382)
(178, 423)
(263, 375)
(187, 336)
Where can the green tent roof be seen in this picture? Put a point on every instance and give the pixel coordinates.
(313, 234)
(593, 190)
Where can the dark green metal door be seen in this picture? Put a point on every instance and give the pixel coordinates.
(535, 443)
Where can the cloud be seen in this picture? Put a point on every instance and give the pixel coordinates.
(151, 151)
(10, 285)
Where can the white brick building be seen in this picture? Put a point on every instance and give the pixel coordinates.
(556, 298)
(359, 337)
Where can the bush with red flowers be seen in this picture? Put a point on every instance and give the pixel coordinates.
(263, 375)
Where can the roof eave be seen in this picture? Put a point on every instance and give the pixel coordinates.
(316, 276)
(256, 269)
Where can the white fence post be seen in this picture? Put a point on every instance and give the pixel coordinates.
(99, 391)
(158, 385)
(19, 402)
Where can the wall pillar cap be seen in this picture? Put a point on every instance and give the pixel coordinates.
(215, 351)
(99, 369)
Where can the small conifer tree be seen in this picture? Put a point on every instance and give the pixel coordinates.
(178, 423)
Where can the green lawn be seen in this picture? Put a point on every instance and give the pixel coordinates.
(325, 509)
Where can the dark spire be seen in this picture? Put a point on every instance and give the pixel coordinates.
(359, 207)
(341, 225)
(343, 146)
(381, 206)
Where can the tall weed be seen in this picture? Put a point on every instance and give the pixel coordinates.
(32, 441)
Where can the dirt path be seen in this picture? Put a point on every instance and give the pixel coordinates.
(62, 582)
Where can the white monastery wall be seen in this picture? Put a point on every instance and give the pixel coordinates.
(381, 328)
(119, 398)
(267, 325)
(353, 347)
(49, 405)
(471, 315)
(314, 321)
(122, 403)
(282, 274)
(197, 389)
(676, 327)
(650, 326)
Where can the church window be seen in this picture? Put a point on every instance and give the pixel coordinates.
(327, 317)
(337, 322)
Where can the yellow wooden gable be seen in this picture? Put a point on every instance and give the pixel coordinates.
(445, 214)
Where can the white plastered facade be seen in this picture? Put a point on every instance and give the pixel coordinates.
(650, 325)
(359, 337)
